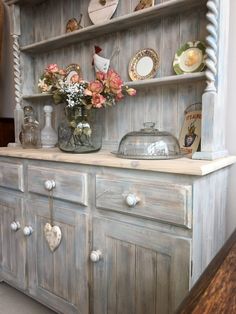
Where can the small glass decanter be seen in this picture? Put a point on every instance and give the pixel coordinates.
(30, 135)
(48, 134)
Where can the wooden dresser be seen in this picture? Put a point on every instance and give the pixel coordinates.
(135, 234)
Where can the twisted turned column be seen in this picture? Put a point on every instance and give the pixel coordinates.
(18, 112)
(16, 67)
(212, 43)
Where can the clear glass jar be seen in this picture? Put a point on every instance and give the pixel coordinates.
(30, 135)
(79, 133)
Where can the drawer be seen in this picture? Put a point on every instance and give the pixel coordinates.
(11, 176)
(70, 185)
(157, 201)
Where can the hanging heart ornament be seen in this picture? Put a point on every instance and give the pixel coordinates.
(53, 236)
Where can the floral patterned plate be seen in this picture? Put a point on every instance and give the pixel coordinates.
(71, 70)
(190, 58)
(144, 64)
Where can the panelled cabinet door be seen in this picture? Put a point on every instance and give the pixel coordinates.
(138, 270)
(13, 245)
(59, 278)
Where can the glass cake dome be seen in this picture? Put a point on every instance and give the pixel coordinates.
(149, 143)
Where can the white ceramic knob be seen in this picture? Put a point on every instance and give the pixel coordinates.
(28, 231)
(15, 225)
(95, 256)
(131, 200)
(49, 185)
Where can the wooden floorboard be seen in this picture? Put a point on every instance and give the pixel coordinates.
(215, 291)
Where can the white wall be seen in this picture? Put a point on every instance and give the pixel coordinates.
(231, 119)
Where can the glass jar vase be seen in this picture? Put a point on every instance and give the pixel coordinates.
(79, 133)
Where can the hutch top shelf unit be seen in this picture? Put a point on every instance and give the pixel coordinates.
(39, 38)
(114, 25)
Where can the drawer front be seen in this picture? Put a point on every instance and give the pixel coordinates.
(11, 176)
(157, 201)
(70, 185)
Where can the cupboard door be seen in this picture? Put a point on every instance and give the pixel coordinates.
(139, 270)
(59, 278)
(13, 245)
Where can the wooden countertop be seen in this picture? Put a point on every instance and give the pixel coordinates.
(104, 158)
(214, 292)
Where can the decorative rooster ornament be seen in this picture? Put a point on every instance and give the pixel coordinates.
(102, 64)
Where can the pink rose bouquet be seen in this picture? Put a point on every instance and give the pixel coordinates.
(106, 90)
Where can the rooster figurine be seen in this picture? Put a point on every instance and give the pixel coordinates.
(143, 4)
(73, 25)
(100, 64)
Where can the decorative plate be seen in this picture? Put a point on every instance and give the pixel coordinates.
(144, 64)
(101, 11)
(190, 58)
(71, 70)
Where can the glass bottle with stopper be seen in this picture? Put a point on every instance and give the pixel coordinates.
(48, 134)
(30, 135)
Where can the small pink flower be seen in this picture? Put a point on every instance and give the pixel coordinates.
(52, 68)
(62, 72)
(75, 78)
(98, 100)
(131, 91)
(96, 87)
(114, 82)
(119, 96)
(87, 92)
(100, 76)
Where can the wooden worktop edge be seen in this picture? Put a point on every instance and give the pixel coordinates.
(184, 166)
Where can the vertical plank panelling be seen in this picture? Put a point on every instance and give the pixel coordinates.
(47, 276)
(71, 267)
(111, 245)
(170, 42)
(202, 30)
(125, 278)
(170, 109)
(139, 41)
(60, 266)
(27, 16)
(124, 7)
(40, 257)
(163, 105)
(153, 101)
(84, 10)
(189, 26)
(124, 109)
(8, 217)
(163, 284)
(13, 249)
(146, 269)
(209, 213)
